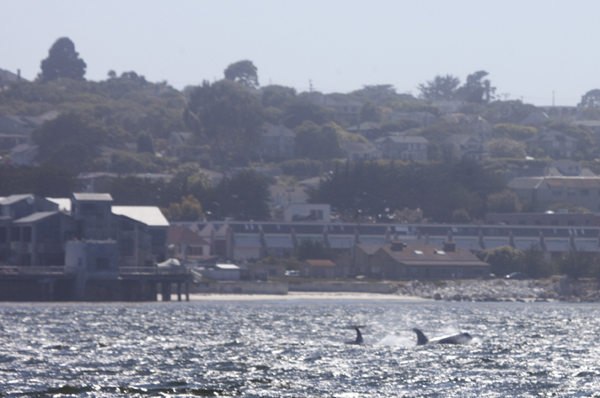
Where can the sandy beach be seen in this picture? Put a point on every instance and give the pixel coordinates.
(295, 296)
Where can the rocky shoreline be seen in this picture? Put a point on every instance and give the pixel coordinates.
(552, 289)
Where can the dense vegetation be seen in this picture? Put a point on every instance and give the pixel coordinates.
(122, 125)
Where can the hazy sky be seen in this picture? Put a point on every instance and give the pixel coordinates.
(530, 48)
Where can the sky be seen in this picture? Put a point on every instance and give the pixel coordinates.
(541, 52)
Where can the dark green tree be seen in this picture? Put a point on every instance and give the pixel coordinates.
(370, 112)
(277, 96)
(318, 142)
(63, 61)
(243, 196)
(504, 260)
(145, 143)
(440, 88)
(300, 110)
(69, 141)
(243, 72)
(504, 202)
(476, 89)
(227, 117)
(591, 99)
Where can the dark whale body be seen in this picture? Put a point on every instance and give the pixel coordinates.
(359, 338)
(460, 338)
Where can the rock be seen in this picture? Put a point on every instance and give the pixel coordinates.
(437, 297)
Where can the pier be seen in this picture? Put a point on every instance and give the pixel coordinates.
(54, 283)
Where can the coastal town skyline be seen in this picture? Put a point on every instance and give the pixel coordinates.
(533, 51)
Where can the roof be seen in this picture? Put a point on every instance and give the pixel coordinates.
(229, 267)
(35, 217)
(320, 263)
(359, 147)
(278, 131)
(431, 255)
(149, 215)
(401, 139)
(63, 203)
(573, 182)
(525, 182)
(93, 197)
(551, 136)
(180, 234)
(9, 200)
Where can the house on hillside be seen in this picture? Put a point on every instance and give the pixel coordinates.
(360, 151)
(403, 147)
(277, 142)
(467, 146)
(541, 192)
(369, 130)
(554, 144)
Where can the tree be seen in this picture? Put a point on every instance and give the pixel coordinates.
(504, 202)
(63, 61)
(243, 196)
(69, 141)
(243, 72)
(227, 117)
(277, 96)
(504, 259)
(189, 209)
(475, 89)
(370, 113)
(507, 148)
(591, 99)
(300, 110)
(144, 143)
(318, 142)
(514, 132)
(440, 88)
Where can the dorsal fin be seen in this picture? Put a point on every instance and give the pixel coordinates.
(421, 339)
(359, 338)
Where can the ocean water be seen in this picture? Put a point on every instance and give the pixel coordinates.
(296, 349)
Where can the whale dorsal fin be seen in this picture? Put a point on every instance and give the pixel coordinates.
(421, 338)
(359, 338)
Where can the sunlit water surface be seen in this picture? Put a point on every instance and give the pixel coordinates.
(296, 349)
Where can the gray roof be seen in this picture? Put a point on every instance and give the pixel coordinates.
(40, 215)
(525, 182)
(9, 200)
(402, 139)
(551, 136)
(149, 215)
(358, 147)
(93, 197)
(278, 131)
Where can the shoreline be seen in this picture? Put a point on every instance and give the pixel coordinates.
(299, 296)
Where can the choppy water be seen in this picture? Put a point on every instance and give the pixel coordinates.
(295, 349)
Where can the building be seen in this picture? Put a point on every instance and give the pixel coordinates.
(554, 144)
(402, 147)
(318, 269)
(186, 245)
(278, 142)
(467, 146)
(398, 261)
(360, 151)
(541, 192)
(564, 219)
(307, 212)
(34, 230)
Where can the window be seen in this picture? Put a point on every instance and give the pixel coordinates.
(419, 252)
